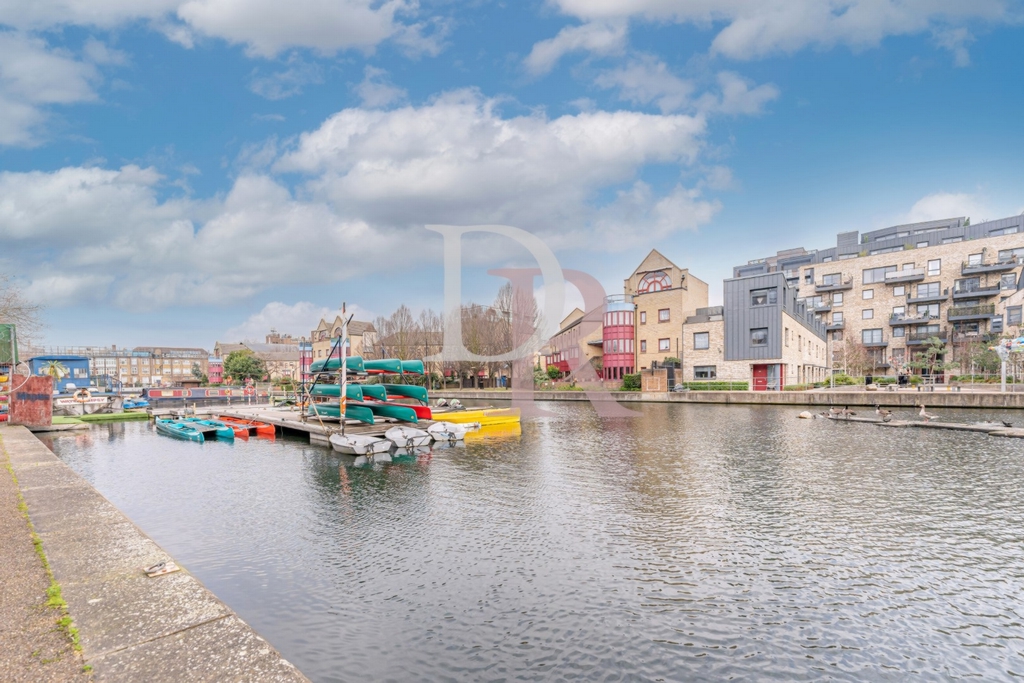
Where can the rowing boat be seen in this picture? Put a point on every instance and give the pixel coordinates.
(449, 431)
(408, 437)
(359, 444)
(261, 428)
(178, 430)
(220, 430)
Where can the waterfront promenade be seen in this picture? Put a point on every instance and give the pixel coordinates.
(131, 627)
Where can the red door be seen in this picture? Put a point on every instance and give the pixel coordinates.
(760, 378)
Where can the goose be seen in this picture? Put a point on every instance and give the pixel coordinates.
(832, 412)
(846, 412)
(927, 417)
(886, 415)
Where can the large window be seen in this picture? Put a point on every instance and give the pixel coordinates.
(832, 279)
(930, 310)
(759, 336)
(654, 282)
(701, 340)
(899, 312)
(1010, 254)
(1008, 281)
(876, 274)
(764, 297)
(929, 289)
(974, 259)
(873, 336)
(705, 372)
(934, 267)
(664, 345)
(898, 331)
(1013, 315)
(663, 315)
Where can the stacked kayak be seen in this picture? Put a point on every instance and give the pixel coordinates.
(363, 402)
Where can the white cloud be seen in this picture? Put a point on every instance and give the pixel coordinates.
(592, 37)
(647, 80)
(457, 161)
(288, 82)
(947, 205)
(34, 77)
(98, 52)
(298, 319)
(738, 97)
(376, 90)
(755, 29)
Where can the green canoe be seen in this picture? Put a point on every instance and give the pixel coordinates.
(403, 413)
(376, 391)
(412, 367)
(352, 391)
(359, 413)
(407, 391)
(352, 364)
(387, 365)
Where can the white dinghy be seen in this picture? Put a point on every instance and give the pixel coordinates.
(359, 444)
(449, 431)
(408, 437)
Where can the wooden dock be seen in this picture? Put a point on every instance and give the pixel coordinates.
(990, 428)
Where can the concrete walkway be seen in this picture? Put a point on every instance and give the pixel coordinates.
(132, 628)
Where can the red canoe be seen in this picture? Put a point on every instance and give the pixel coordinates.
(260, 428)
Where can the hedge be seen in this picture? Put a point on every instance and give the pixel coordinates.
(716, 386)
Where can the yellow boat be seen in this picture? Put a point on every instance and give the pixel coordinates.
(502, 431)
(488, 417)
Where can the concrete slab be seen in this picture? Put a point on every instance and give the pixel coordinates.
(221, 650)
(60, 508)
(124, 610)
(102, 552)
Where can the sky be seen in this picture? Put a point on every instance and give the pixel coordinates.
(181, 172)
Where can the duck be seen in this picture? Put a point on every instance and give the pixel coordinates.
(927, 417)
(886, 415)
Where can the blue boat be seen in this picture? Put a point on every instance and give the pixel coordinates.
(220, 430)
(133, 403)
(179, 430)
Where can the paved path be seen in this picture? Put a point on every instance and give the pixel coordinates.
(132, 628)
(31, 646)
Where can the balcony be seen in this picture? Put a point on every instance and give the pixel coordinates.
(823, 307)
(910, 319)
(982, 312)
(967, 337)
(835, 325)
(908, 275)
(975, 291)
(922, 337)
(880, 344)
(967, 268)
(929, 298)
(834, 286)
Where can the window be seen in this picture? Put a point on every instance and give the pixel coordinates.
(898, 331)
(701, 340)
(930, 289)
(1013, 315)
(705, 372)
(873, 336)
(764, 297)
(934, 266)
(930, 310)
(664, 345)
(662, 315)
(876, 274)
(654, 282)
(643, 317)
(837, 335)
(643, 346)
(1003, 231)
(1010, 254)
(867, 314)
(974, 259)
(1008, 281)
(898, 355)
(827, 259)
(899, 290)
(952, 240)
(867, 294)
(832, 279)
(809, 276)
(837, 299)
(899, 311)
(837, 316)
(908, 266)
(922, 244)
(759, 336)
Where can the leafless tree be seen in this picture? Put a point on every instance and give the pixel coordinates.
(16, 310)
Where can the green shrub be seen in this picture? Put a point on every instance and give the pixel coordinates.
(631, 382)
(842, 380)
(798, 387)
(716, 386)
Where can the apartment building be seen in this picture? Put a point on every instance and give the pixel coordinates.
(763, 334)
(579, 340)
(663, 295)
(883, 294)
(362, 336)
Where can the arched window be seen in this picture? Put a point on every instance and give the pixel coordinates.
(654, 282)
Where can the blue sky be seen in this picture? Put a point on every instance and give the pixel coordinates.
(187, 171)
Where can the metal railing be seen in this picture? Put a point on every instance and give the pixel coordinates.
(980, 311)
(922, 337)
(834, 286)
(988, 267)
(906, 275)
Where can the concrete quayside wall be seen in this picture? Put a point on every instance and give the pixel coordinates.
(132, 627)
(900, 399)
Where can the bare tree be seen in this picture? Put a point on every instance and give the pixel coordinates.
(16, 310)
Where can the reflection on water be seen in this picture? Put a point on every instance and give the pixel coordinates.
(689, 542)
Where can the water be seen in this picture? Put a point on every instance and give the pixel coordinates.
(689, 543)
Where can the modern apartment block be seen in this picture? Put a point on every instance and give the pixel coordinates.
(886, 292)
(763, 334)
(141, 366)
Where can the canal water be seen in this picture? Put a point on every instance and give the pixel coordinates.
(689, 542)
